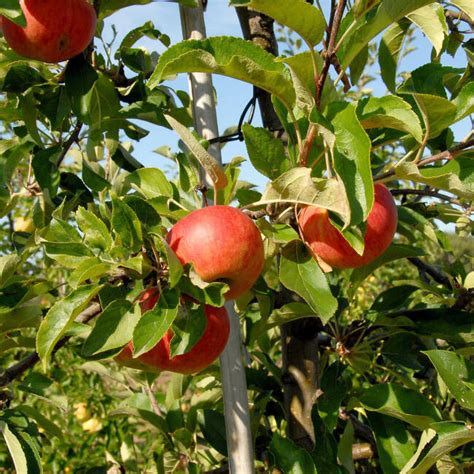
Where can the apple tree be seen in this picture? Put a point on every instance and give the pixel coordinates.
(358, 324)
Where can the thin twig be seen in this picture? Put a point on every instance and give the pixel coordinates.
(444, 155)
(32, 359)
(69, 142)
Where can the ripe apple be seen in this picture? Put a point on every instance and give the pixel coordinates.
(202, 354)
(327, 243)
(55, 30)
(223, 244)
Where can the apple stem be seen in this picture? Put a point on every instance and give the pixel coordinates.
(236, 407)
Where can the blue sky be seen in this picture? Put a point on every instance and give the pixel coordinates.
(232, 95)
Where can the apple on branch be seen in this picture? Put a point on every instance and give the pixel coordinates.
(56, 30)
(328, 244)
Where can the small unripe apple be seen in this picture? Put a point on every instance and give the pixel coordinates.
(56, 30)
(328, 244)
(23, 224)
(223, 244)
(201, 355)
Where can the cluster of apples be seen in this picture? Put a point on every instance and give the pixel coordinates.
(223, 244)
(56, 30)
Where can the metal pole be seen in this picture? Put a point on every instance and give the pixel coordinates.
(236, 406)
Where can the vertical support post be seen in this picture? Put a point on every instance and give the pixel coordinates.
(236, 407)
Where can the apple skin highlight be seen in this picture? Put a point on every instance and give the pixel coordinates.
(327, 242)
(56, 30)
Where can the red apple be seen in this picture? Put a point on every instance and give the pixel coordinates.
(202, 354)
(223, 244)
(326, 242)
(55, 30)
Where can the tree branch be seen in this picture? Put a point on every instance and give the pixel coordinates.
(458, 15)
(74, 137)
(434, 273)
(425, 192)
(329, 58)
(444, 155)
(32, 359)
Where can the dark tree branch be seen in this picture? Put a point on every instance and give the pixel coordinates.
(425, 192)
(334, 24)
(32, 359)
(458, 15)
(437, 275)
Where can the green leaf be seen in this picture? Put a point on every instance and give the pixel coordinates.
(344, 448)
(41, 420)
(399, 402)
(89, 269)
(113, 328)
(94, 176)
(439, 112)
(394, 252)
(352, 161)
(449, 437)
(154, 323)
(432, 22)
(29, 110)
(68, 254)
(8, 265)
(209, 163)
(175, 269)
(291, 458)
(456, 327)
(395, 445)
(456, 176)
(212, 424)
(391, 112)
(126, 225)
(80, 77)
(300, 273)
(466, 6)
(12, 10)
(22, 449)
(188, 329)
(202, 291)
(335, 389)
(20, 77)
(389, 52)
(297, 15)
(149, 182)
(60, 318)
(457, 373)
(266, 153)
(96, 233)
(228, 56)
(464, 102)
(297, 187)
(368, 27)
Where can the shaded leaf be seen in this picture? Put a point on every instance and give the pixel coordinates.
(400, 402)
(300, 273)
